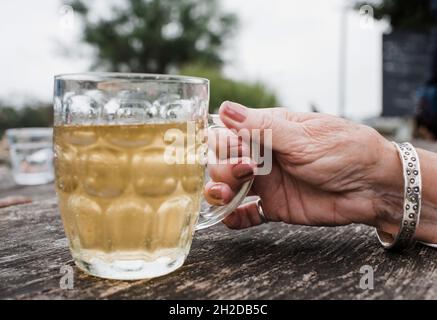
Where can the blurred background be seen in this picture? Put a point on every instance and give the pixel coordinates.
(367, 61)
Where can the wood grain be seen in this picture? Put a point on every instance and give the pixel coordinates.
(272, 261)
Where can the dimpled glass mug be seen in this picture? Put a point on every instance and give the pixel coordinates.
(130, 154)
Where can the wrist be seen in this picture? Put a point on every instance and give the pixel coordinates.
(388, 187)
(427, 228)
(388, 175)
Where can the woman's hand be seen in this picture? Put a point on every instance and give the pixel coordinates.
(326, 171)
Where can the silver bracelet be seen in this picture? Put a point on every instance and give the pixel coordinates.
(412, 200)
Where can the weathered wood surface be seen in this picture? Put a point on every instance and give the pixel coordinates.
(272, 261)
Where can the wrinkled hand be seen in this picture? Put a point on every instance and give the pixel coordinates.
(326, 171)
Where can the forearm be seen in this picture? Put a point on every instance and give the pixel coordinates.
(389, 204)
(427, 229)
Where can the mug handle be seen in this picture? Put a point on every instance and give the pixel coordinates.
(210, 215)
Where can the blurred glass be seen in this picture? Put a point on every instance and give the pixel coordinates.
(31, 155)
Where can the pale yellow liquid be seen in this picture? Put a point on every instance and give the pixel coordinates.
(119, 199)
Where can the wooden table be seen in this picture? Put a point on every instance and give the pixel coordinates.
(272, 261)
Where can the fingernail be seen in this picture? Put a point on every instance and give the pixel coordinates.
(234, 112)
(242, 170)
(216, 192)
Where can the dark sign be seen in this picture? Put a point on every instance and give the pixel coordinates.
(407, 64)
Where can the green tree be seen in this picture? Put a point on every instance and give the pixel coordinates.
(34, 114)
(156, 36)
(9, 118)
(255, 95)
(403, 14)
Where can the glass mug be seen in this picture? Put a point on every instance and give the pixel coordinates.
(130, 197)
(31, 155)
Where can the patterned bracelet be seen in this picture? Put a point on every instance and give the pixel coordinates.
(412, 200)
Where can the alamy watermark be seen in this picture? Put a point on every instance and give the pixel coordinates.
(67, 279)
(367, 278)
(225, 147)
(367, 15)
(66, 17)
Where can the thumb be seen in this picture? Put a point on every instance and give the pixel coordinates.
(268, 121)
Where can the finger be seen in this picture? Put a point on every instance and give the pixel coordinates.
(268, 121)
(243, 217)
(233, 172)
(227, 144)
(12, 201)
(218, 193)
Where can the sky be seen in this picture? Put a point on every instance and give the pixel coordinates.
(291, 45)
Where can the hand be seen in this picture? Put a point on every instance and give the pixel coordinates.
(326, 171)
(13, 201)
